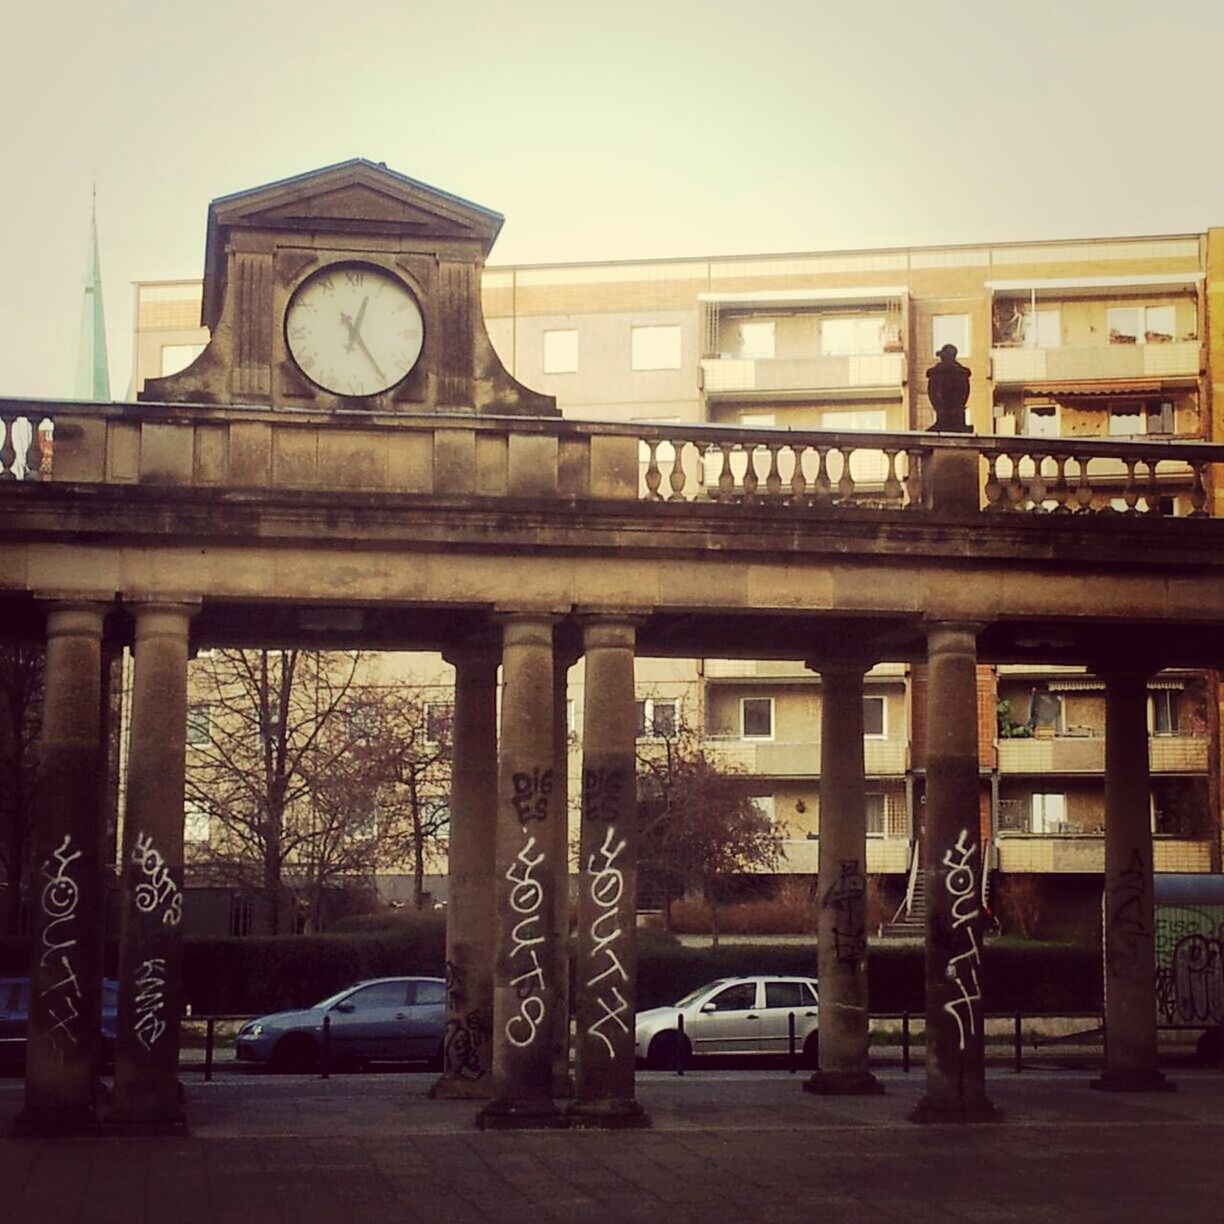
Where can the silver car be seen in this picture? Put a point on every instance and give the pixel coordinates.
(380, 1020)
(741, 1015)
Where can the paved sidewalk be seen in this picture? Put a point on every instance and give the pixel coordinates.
(725, 1146)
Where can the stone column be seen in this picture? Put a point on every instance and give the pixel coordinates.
(1129, 917)
(525, 882)
(842, 916)
(952, 860)
(467, 1054)
(606, 965)
(148, 1096)
(559, 855)
(62, 1052)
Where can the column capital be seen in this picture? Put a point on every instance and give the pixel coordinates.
(951, 624)
(847, 666)
(609, 632)
(76, 617)
(482, 649)
(1131, 671)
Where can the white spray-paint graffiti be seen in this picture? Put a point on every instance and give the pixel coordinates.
(157, 888)
(150, 982)
(60, 899)
(526, 900)
(962, 969)
(607, 883)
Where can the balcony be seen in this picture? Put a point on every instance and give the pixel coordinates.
(801, 856)
(801, 759)
(775, 377)
(1085, 853)
(1086, 755)
(1095, 363)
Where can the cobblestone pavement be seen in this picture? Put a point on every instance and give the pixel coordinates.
(724, 1146)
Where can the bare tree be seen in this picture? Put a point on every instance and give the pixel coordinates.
(21, 688)
(697, 818)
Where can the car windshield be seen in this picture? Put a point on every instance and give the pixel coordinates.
(694, 995)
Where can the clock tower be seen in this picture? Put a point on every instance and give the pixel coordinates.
(348, 288)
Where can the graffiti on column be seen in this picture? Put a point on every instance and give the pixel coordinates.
(607, 885)
(157, 888)
(962, 969)
(1128, 929)
(603, 789)
(150, 1001)
(526, 900)
(60, 899)
(467, 1029)
(531, 791)
(847, 897)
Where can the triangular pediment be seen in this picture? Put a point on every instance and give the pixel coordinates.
(351, 197)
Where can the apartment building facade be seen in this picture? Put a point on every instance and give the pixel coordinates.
(1121, 337)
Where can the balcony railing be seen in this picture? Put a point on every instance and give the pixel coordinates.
(1085, 853)
(730, 376)
(801, 759)
(1095, 362)
(1086, 755)
(494, 457)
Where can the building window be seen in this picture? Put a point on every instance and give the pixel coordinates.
(1042, 328)
(570, 726)
(852, 336)
(863, 420)
(758, 420)
(875, 722)
(439, 719)
(1164, 711)
(561, 351)
(764, 805)
(176, 357)
(756, 338)
(756, 718)
(197, 825)
(1041, 421)
(199, 724)
(1140, 324)
(1127, 420)
(656, 719)
(1048, 813)
(875, 815)
(950, 329)
(655, 347)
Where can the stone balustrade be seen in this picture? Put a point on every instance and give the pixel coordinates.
(458, 455)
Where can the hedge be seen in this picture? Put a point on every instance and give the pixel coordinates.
(243, 976)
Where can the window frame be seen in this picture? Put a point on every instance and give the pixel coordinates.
(882, 734)
(430, 706)
(861, 323)
(645, 709)
(648, 358)
(760, 327)
(966, 328)
(566, 364)
(744, 732)
(1044, 818)
(199, 714)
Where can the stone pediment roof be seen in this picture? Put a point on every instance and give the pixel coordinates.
(353, 197)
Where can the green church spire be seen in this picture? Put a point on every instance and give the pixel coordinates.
(92, 373)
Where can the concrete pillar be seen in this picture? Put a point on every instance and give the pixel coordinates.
(525, 882)
(842, 916)
(66, 956)
(606, 964)
(467, 1053)
(1130, 943)
(151, 997)
(952, 860)
(559, 855)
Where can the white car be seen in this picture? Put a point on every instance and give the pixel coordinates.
(741, 1015)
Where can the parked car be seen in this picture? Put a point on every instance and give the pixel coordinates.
(380, 1020)
(740, 1015)
(14, 1017)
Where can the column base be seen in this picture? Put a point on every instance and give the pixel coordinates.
(534, 1114)
(456, 1088)
(51, 1123)
(931, 1110)
(1132, 1081)
(843, 1083)
(614, 1114)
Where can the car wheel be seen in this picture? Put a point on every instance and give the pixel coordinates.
(295, 1052)
(667, 1050)
(811, 1050)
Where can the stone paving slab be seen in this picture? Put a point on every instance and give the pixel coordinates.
(725, 1146)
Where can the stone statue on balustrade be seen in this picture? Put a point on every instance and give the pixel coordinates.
(948, 389)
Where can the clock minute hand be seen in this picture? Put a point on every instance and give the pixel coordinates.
(362, 345)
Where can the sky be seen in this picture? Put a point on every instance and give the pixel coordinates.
(638, 129)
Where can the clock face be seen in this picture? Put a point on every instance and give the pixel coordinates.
(354, 329)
